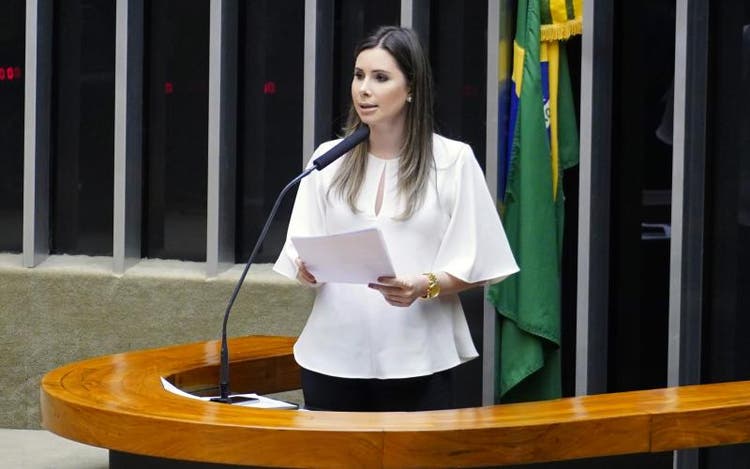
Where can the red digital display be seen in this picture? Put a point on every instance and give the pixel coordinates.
(10, 73)
(269, 87)
(470, 91)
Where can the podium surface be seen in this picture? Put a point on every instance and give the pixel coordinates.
(118, 402)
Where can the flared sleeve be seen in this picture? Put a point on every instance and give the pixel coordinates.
(474, 247)
(308, 216)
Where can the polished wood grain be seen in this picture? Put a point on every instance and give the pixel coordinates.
(118, 402)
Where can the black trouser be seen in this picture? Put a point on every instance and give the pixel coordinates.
(431, 392)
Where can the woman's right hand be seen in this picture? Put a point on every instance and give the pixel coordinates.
(303, 275)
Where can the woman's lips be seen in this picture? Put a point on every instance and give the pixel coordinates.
(367, 108)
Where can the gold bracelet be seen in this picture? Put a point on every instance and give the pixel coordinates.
(433, 287)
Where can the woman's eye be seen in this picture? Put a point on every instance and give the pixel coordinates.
(358, 75)
(381, 77)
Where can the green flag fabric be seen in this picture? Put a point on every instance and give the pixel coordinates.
(543, 141)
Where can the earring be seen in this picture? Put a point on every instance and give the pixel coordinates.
(408, 99)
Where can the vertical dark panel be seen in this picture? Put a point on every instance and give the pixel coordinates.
(83, 127)
(641, 193)
(592, 315)
(12, 33)
(271, 45)
(176, 128)
(324, 71)
(726, 346)
(569, 266)
(458, 53)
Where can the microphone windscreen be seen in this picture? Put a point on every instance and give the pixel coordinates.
(342, 147)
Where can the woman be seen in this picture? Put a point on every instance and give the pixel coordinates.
(390, 345)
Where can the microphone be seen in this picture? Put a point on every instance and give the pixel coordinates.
(319, 163)
(342, 147)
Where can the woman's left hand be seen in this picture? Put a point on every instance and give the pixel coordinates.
(401, 291)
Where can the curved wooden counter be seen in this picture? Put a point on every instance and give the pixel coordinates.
(118, 402)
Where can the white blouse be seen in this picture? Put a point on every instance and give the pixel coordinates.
(352, 332)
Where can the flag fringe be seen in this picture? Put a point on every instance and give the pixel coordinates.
(561, 31)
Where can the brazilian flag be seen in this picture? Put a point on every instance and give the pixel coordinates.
(542, 142)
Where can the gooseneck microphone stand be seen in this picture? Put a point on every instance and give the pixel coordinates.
(319, 163)
(224, 370)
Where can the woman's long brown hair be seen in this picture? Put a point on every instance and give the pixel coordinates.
(416, 156)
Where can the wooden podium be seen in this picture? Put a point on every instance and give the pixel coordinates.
(118, 402)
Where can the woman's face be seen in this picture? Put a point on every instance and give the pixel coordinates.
(379, 88)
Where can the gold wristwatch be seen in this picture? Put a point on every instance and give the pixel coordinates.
(433, 287)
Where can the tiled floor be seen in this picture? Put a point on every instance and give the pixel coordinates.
(40, 449)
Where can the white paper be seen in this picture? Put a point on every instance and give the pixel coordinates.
(354, 257)
(257, 401)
